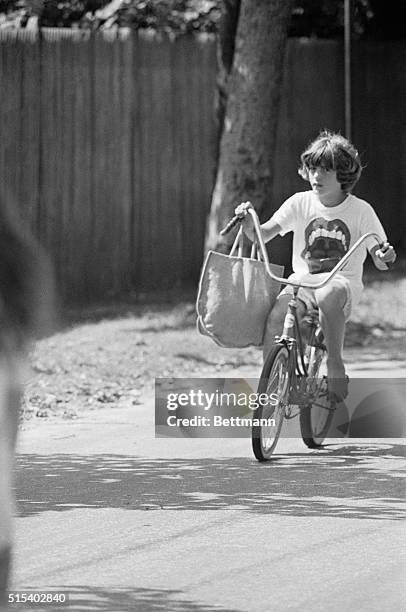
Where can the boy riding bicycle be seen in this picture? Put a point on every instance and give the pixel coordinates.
(326, 221)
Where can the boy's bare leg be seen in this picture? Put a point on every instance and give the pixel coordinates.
(276, 319)
(274, 323)
(331, 301)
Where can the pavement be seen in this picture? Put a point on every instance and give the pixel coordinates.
(120, 520)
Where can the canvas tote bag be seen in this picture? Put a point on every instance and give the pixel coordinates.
(235, 297)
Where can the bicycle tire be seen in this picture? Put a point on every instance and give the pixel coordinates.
(315, 419)
(274, 374)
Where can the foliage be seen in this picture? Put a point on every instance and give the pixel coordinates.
(371, 19)
(310, 18)
(325, 19)
(176, 16)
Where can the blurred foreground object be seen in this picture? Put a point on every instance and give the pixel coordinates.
(26, 312)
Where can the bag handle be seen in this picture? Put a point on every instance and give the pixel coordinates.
(255, 251)
(238, 244)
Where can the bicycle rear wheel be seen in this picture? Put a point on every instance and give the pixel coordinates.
(316, 417)
(274, 382)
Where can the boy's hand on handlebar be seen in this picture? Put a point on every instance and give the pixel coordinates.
(386, 253)
(242, 209)
(246, 219)
(241, 217)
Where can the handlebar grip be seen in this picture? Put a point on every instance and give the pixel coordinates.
(232, 223)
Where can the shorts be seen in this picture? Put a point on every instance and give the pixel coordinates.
(307, 296)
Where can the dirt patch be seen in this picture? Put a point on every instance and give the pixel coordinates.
(116, 361)
(113, 361)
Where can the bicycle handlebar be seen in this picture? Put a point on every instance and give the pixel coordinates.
(232, 223)
(285, 281)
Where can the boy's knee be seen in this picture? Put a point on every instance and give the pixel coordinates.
(281, 305)
(331, 298)
(277, 314)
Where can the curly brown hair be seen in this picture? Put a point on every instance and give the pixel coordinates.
(332, 151)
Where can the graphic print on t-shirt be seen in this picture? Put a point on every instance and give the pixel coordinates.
(326, 242)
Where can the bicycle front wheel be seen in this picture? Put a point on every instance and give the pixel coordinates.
(316, 416)
(268, 417)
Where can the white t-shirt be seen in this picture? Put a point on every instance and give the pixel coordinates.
(322, 235)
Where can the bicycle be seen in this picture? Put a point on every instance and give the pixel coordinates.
(292, 373)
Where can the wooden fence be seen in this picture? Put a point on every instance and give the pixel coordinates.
(107, 146)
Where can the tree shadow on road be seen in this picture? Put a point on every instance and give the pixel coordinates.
(97, 599)
(353, 481)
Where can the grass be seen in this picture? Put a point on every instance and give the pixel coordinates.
(383, 302)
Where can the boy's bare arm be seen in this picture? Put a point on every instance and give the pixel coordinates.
(383, 256)
(270, 229)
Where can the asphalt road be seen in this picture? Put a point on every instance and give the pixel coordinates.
(123, 521)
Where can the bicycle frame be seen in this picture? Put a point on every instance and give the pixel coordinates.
(291, 337)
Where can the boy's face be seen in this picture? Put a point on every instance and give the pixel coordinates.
(325, 184)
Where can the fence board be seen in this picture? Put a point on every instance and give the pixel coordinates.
(168, 213)
(10, 128)
(182, 138)
(156, 109)
(147, 182)
(80, 211)
(196, 129)
(54, 150)
(29, 141)
(136, 161)
(65, 228)
(127, 104)
(109, 260)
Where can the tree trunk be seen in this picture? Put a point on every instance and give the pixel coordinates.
(247, 145)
